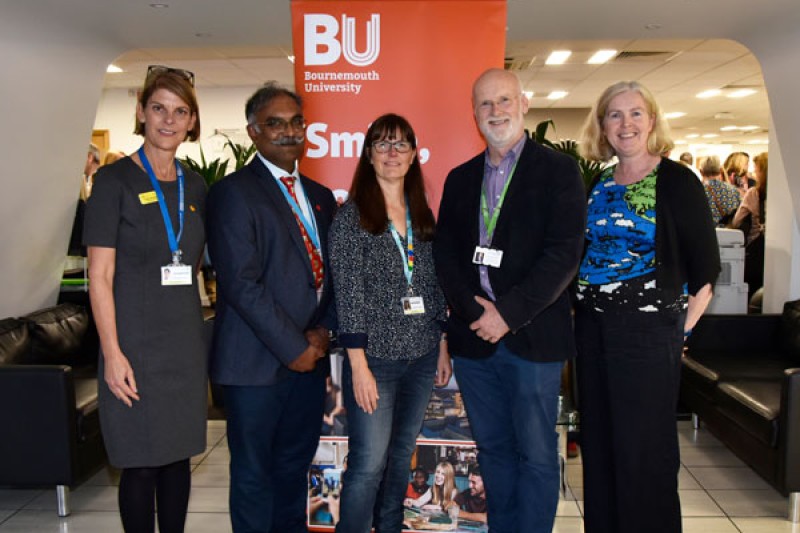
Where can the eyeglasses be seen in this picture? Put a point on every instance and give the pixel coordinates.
(278, 125)
(400, 147)
(156, 70)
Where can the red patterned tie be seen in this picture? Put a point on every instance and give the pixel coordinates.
(313, 254)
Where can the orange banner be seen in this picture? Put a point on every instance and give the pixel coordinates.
(356, 60)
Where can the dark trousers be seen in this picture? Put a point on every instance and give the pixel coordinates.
(273, 433)
(628, 376)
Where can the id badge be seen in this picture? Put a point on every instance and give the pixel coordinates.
(176, 275)
(413, 305)
(487, 256)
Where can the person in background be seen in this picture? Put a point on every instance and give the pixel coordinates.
(751, 219)
(723, 198)
(638, 298)
(736, 167)
(444, 487)
(145, 217)
(472, 501)
(418, 492)
(112, 157)
(391, 314)
(267, 237)
(89, 168)
(687, 159)
(505, 276)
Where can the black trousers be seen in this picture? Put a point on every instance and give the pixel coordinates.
(628, 371)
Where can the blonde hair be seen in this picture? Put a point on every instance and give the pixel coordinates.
(737, 163)
(761, 161)
(443, 495)
(595, 146)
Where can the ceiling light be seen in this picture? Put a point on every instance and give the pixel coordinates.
(750, 128)
(557, 95)
(528, 94)
(674, 114)
(729, 128)
(709, 93)
(602, 56)
(693, 136)
(757, 141)
(291, 59)
(681, 141)
(112, 68)
(741, 93)
(710, 135)
(558, 57)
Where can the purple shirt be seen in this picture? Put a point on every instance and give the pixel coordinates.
(494, 179)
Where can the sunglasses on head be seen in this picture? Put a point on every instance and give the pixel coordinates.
(155, 70)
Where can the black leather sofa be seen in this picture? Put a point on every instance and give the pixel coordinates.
(741, 378)
(48, 400)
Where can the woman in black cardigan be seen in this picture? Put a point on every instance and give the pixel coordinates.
(645, 279)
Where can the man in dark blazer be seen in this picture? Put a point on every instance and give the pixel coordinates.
(508, 242)
(273, 316)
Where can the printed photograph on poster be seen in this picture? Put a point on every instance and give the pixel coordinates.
(445, 488)
(445, 416)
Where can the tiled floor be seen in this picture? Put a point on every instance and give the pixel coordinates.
(719, 494)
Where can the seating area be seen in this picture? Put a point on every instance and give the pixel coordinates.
(48, 400)
(741, 380)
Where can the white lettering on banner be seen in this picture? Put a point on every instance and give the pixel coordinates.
(322, 47)
(344, 144)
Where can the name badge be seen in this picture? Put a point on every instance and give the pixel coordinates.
(413, 305)
(487, 256)
(148, 197)
(176, 275)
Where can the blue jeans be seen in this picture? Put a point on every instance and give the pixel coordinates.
(273, 432)
(512, 405)
(381, 443)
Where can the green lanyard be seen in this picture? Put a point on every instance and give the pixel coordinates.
(490, 221)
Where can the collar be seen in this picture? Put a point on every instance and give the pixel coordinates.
(276, 171)
(512, 155)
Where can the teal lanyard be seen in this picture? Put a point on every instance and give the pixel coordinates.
(490, 219)
(408, 253)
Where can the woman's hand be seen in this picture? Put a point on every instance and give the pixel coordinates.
(444, 367)
(120, 379)
(365, 388)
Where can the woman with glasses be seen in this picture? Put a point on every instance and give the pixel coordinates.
(391, 313)
(145, 238)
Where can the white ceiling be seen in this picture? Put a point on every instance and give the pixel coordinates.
(245, 42)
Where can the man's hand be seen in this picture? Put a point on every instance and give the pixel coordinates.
(307, 360)
(318, 337)
(490, 326)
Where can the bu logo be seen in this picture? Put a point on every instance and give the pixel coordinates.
(322, 47)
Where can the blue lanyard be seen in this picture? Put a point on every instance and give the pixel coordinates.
(408, 258)
(162, 203)
(311, 229)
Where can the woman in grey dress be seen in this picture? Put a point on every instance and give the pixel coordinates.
(145, 237)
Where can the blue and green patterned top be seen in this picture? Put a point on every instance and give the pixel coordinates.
(619, 267)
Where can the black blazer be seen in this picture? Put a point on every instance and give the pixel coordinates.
(540, 230)
(266, 297)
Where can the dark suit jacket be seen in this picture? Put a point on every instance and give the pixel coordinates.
(265, 288)
(540, 230)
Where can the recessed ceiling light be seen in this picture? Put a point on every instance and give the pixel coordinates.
(693, 136)
(557, 95)
(709, 93)
(528, 94)
(750, 128)
(674, 114)
(710, 135)
(112, 68)
(558, 57)
(729, 128)
(681, 141)
(602, 56)
(741, 93)
(757, 141)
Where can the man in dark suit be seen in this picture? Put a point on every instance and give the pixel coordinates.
(267, 236)
(508, 242)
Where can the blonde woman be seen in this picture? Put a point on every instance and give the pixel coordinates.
(444, 487)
